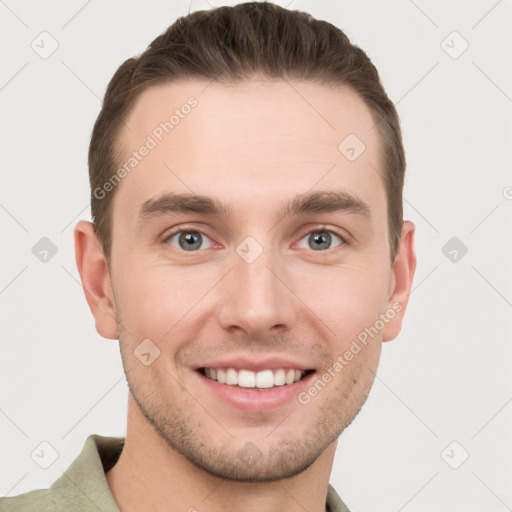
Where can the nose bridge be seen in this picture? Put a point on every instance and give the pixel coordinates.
(255, 299)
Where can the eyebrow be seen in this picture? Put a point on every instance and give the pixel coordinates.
(311, 202)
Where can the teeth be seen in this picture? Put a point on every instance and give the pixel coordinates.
(263, 379)
(231, 377)
(245, 378)
(279, 378)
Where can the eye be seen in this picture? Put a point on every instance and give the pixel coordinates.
(320, 240)
(189, 240)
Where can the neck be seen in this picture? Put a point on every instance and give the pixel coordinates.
(151, 475)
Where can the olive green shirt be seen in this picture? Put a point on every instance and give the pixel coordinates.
(83, 486)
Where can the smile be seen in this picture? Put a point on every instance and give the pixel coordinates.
(264, 379)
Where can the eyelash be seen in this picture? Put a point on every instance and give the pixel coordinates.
(189, 229)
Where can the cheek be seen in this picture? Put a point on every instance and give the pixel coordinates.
(347, 298)
(155, 298)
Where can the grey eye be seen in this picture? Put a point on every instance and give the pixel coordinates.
(320, 240)
(189, 240)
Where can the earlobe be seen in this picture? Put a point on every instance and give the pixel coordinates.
(402, 276)
(95, 278)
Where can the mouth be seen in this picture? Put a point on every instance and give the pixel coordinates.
(261, 380)
(255, 385)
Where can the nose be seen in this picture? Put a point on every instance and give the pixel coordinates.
(256, 298)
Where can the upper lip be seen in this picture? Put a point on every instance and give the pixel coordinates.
(251, 363)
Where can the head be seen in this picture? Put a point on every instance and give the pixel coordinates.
(246, 190)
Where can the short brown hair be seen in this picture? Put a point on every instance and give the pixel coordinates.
(232, 44)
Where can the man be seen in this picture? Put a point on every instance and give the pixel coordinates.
(248, 252)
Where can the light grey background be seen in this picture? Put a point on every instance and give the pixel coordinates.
(446, 378)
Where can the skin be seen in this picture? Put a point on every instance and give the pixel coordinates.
(252, 145)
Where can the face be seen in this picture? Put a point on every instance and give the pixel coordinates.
(268, 279)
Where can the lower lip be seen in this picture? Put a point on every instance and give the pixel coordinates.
(252, 400)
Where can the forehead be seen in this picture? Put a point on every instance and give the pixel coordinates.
(248, 142)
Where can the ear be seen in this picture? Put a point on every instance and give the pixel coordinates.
(92, 267)
(402, 276)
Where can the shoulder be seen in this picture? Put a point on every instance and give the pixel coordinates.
(34, 501)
